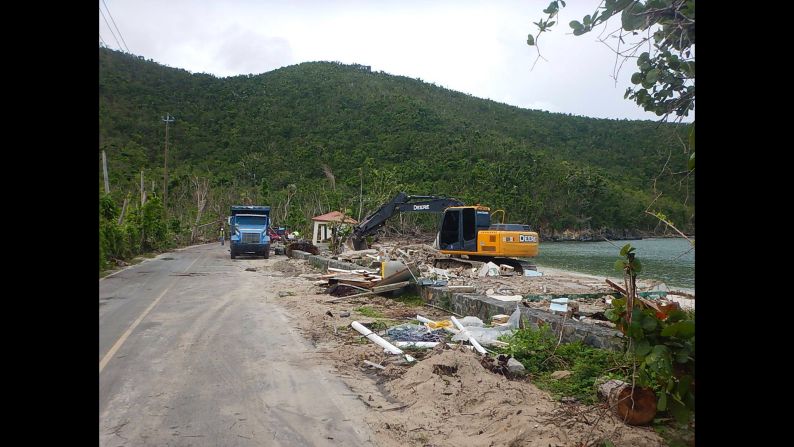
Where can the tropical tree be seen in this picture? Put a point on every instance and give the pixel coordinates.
(660, 35)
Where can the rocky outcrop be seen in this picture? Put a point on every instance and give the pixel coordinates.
(588, 234)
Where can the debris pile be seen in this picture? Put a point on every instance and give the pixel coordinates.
(581, 298)
(449, 394)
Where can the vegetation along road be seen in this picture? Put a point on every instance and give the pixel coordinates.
(191, 353)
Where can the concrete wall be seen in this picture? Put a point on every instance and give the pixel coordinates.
(323, 263)
(484, 308)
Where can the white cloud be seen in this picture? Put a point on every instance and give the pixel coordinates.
(245, 51)
(470, 46)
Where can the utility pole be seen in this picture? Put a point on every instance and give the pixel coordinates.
(167, 120)
(143, 191)
(105, 171)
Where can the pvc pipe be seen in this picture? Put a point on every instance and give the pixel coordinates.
(473, 342)
(375, 365)
(375, 338)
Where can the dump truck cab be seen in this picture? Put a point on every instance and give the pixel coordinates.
(248, 225)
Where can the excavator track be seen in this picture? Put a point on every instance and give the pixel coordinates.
(451, 263)
(477, 261)
(519, 265)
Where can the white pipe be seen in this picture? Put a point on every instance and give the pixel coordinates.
(473, 342)
(367, 362)
(375, 338)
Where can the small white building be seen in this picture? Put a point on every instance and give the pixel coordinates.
(324, 222)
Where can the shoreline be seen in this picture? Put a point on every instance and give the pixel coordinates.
(641, 283)
(600, 236)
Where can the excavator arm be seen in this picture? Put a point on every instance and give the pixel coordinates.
(402, 202)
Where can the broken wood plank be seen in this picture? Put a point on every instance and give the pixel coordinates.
(353, 279)
(388, 287)
(617, 287)
(374, 291)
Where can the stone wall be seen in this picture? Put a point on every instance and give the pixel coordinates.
(484, 308)
(323, 263)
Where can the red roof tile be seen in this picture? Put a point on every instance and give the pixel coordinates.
(334, 216)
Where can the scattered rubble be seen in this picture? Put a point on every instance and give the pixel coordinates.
(301, 245)
(449, 395)
(587, 296)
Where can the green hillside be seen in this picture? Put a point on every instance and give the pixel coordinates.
(253, 136)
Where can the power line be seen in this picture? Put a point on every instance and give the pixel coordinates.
(114, 24)
(111, 29)
(103, 42)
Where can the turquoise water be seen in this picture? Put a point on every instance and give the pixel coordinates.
(667, 260)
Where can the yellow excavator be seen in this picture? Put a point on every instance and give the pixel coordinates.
(465, 232)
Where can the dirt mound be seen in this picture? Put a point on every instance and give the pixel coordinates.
(450, 393)
(447, 398)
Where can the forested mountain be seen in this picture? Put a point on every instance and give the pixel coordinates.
(317, 136)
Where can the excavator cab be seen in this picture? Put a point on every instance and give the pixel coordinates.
(467, 231)
(460, 225)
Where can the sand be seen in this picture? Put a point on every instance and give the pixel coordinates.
(446, 398)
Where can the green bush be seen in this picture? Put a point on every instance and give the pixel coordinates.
(540, 354)
(143, 230)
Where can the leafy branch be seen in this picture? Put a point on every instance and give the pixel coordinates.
(662, 343)
(665, 79)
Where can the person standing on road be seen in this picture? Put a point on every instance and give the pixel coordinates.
(222, 234)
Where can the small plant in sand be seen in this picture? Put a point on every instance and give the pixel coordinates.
(662, 341)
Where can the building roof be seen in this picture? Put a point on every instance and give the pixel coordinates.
(334, 216)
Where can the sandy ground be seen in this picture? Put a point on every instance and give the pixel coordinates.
(446, 398)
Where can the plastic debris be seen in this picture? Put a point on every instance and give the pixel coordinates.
(471, 321)
(414, 332)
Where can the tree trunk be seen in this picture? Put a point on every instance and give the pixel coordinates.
(123, 210)
(202, 189)
(636, 409)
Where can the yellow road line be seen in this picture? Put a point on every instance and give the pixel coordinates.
(135, 324)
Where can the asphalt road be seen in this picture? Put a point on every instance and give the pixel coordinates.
(193, 352)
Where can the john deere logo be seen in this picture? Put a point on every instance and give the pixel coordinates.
(421, 207)
(526, 238)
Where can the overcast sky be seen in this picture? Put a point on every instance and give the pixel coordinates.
(476, 47)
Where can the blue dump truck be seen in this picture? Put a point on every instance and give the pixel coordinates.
(248, 230)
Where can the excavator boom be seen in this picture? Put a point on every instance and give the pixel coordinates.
(464, 231)
(402, 202)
